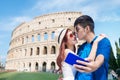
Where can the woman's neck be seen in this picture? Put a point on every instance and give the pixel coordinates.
(71, 47)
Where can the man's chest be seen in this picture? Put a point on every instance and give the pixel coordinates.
(85, 50)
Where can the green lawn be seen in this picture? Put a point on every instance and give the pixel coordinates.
(27, 76)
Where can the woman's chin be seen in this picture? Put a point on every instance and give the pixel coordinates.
(74, 42)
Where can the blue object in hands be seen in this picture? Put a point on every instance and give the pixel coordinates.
(71, 59)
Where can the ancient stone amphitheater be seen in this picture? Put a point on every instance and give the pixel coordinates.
(33, 45)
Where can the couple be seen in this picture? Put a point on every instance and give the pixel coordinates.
(96, 50)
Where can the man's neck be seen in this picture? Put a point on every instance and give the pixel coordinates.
(89, 37)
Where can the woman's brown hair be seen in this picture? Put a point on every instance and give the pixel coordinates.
(62, 48)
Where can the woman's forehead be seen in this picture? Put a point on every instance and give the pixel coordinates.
(69, 32)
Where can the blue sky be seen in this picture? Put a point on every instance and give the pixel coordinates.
(106, 14)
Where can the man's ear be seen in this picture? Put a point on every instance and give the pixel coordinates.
(87, 29)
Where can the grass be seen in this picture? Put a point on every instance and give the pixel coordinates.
(27, 76)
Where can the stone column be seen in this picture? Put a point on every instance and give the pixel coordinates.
(40, 65)
(35, 37)
(32, 66)
(48, 65)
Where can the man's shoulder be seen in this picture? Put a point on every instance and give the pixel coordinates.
(104, 45)
(104, 41)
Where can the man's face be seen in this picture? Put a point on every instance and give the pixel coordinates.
(80, 31)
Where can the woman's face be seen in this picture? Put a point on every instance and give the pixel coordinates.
(71, 38)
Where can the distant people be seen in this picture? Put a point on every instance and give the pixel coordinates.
(96, 69)
(118, 73)
(67, 41)
(114, 75)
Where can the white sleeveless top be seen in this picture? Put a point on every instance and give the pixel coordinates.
(68, 71)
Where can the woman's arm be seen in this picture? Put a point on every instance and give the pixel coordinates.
(92, 54)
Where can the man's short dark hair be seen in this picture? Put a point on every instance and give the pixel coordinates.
(84, 21)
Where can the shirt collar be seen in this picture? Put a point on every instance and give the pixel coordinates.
(93, 39)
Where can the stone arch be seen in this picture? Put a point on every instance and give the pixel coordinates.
(38, 51)
(23, 65)
(38, 36)
(25, 51)
(36, 66)
(45, 50)
(45, 36)
(44, 66)
(53, 50)
(31, 51)
(33, 38)
(53, 35)
(22, 40)
(29, 66)
(53, 66)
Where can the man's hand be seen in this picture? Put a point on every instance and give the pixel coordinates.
(91, 65)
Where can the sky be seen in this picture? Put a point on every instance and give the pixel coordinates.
(106, 14)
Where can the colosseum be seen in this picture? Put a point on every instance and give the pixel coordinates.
(33, 45)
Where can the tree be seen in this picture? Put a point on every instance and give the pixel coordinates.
(118, 52)
(112, 62)
(115, 62)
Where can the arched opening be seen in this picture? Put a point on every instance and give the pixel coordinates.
(32, 38)
(45, 36)
(23, 65)
(53, 66)
(45, 50)
(31, 51)
(69, 19)
(44, 66)
(22, 40)
(38, 37)
(53, 20)
(25, 52)
(27, 39)
(38, 51)
(30, 66)
(53, 35)
(53, 50)
(36, 66)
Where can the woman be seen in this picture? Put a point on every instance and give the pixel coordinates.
(67, 41)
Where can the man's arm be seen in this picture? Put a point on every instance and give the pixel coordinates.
(103, 55)
(91, 66)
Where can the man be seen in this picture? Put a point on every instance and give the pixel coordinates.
(97, 68)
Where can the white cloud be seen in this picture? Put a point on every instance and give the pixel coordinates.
(2, 59)
(99, 10)
(46, 5)
(20, 19)
(11, 23)
(113, 17)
